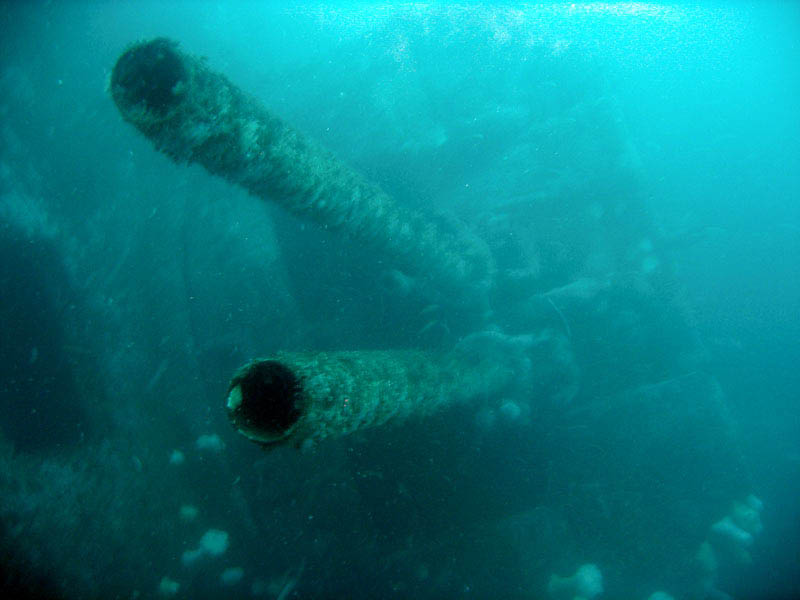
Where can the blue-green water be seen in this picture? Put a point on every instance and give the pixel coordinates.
(633, 169)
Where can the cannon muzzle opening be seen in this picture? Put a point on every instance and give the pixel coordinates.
(264, 401)
(149, 76)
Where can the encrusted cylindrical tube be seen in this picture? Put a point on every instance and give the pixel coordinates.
(301, 398)
(196, 115)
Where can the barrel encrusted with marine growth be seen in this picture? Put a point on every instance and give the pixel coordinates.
(297, 398)
(196, 115)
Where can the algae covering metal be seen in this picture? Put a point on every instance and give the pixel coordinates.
(300, 398)
(195, 115)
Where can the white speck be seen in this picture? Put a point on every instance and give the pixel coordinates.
(176, 457)
(211, 442)
(510, 410)
(168, 587)
(231, 576)
(188, 512)
(214, 542)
